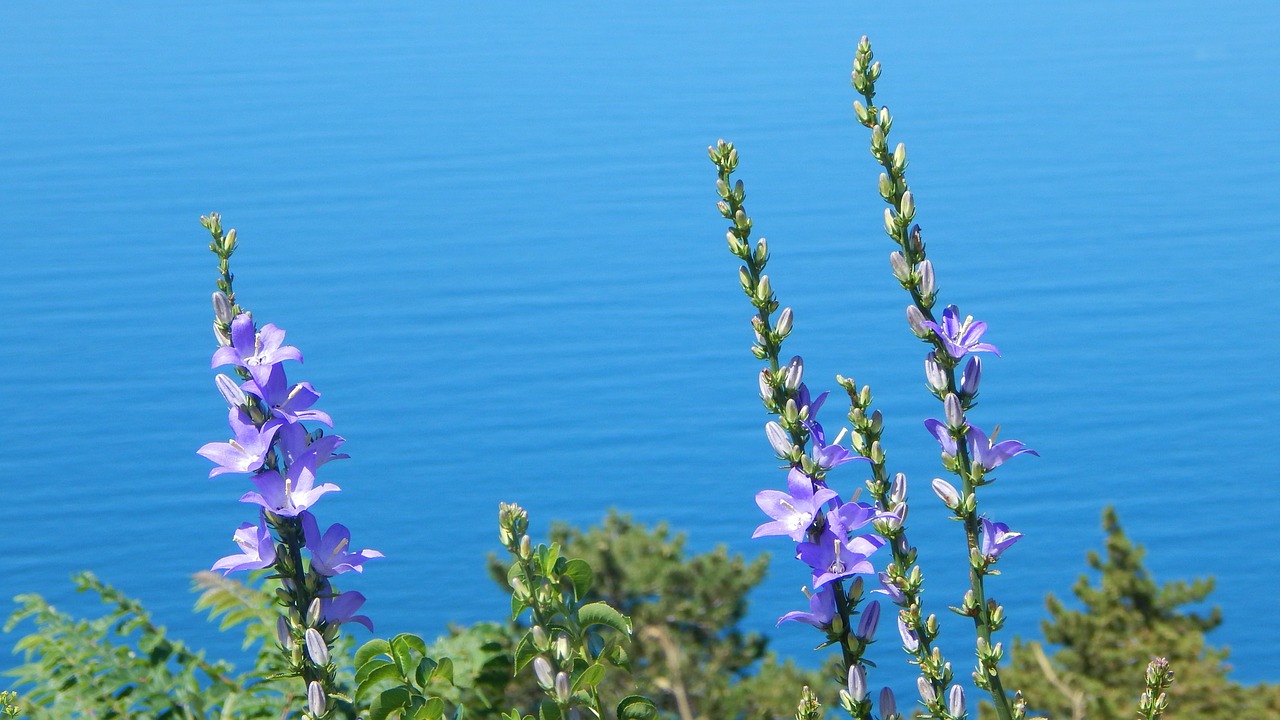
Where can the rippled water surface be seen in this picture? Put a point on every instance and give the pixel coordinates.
(491, 230)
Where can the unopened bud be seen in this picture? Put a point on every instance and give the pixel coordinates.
(857, 682)
(900, 157)
(907, 208)
(925, 270)
(766, 390)
(562, 686)
(221, 307)
(313, 612)
(783, 328)
(909, 639)
(926, 690)
(317, 703)
(795, 373)
(886, 187)
(230, 391)
(561, 648)
(898, 489)
(955, 701)
(899, 265)
(890, 223)
(934, 376)
(884, 120)
(539, 634)
(888, 705)
(860, 111)
(877, 135)
(526, 547)
(972, 377)
(764, 291)
(954, 413)
(317, 650)
(778, 438)
(915, 243)
(915, 319)
(283, 634)
(762, 251)
(220, 334)
(946, 492)
(868, 621)
(542, 672)
(736, 246)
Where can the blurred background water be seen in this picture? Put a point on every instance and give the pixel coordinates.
(491, 230)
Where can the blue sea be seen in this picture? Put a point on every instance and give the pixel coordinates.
(491, 229)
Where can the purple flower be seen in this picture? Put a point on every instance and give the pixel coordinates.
(992, 455)
(255, 352)
(247, 451)
(292, 404)
(793, 511)
(259, 549)
(329, 554)
(290, 495)
(960, 337)
(910, 640)
(342, 607)
(822, 609)
(803, 400)
(996, 538)
(890, 588)
(829, 456)
(835, 555)
(942, 433)
(297, 446)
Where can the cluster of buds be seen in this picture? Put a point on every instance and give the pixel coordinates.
(1155, 698)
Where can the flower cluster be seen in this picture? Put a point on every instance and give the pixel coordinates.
(273, 446)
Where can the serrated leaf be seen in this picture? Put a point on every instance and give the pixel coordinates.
(389, 701)
(525, 652)
(589, 678)
(598, 613)
(579, 572)
(636, 707)
(370, 650)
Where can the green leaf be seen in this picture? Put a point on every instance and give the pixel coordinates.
(411, 640)
(371, 667)
(525, 652)
(385, 672)
(370, 650)
(444, 671)
(432, 710)
(402, 651)
(548, 710)
(579, 571)
(589, 678)
(426, 667)
(388, 702)
(636, 707)
(598, 613)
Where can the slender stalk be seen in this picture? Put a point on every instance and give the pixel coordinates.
(898, 225)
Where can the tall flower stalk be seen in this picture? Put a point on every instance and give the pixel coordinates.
(809, 512)
(273, 446)
(967, 452)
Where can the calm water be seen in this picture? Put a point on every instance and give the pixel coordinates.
(492, 233)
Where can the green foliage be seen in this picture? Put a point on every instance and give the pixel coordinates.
(687, 652)
(1127, 619)
(398, 678)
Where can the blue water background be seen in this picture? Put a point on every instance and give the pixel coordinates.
(491, 230)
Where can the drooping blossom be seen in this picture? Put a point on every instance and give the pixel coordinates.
(342, 607)
(939, 431)
(890, 588)
(996, 538)
(329, 552)
(257, 546)
(829, 456)
(255, 352)
(246, 452)
(793, 511)
(822, 609)
(992, 455)
(289, 495)
(291, 404)
(959, 337)
(910, 640)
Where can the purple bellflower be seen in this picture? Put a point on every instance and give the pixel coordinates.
(822, 609)
(834, 554)
(247, 451)
(259, 549)
(296, 446)
(942, 433)
(329, 554)
(829, 456)
(289, 495)
(793, 511)
(960, 337)
(255, 352)
(996, 538)
(992, 455)
(342, 607)
(291, 404)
